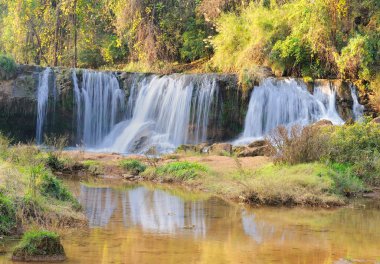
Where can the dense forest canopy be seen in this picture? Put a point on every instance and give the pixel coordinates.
(309, 38)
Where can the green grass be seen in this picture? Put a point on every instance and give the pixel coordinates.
(133, 166)
(310, 183)
(181, 170)
(39, 243)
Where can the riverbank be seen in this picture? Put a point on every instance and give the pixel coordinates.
(31, 197)
(251, 180)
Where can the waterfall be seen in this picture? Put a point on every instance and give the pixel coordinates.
(357, 108)
(100, 104)
(168, 111)
(42, 103)
(287, 102)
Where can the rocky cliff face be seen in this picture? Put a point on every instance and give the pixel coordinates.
(18, 103)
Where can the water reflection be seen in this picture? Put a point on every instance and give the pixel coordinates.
(152, 210)
(152, 225)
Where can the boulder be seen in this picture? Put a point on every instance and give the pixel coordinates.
(257, 143)
(254, 152)
(376, 120)
(221, 148)
(322, 123)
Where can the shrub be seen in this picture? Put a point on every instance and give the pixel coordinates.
(299, 145)
(133, 166)
(7, 67)
(50, 186)
(359, 146)
(345, 181)
(39, 244)
(181, 170)
(54, 162)
(7, 215)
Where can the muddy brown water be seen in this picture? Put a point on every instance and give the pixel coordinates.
(150, 224)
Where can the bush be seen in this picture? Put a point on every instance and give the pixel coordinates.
(133, 166)
(359, 146)
(50, 186)
(7, 67)
(7, 216)
(194, 46)
(181, 170)
(346, 183)
(54, 162)
(39, 244)
(299, 145)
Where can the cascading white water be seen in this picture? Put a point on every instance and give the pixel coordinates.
(100, 104)
(287, 102)
(168, 111)
(42, 103)
(357, 108)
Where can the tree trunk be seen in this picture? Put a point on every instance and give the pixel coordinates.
(57, 26)
(75, 34)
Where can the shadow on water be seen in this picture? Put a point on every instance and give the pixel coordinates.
(145, 224)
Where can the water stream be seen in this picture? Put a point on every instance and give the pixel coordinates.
(43, 93)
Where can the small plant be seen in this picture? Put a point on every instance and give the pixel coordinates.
(56, 145)
(39, 245)
(133, 166)
(181, 170)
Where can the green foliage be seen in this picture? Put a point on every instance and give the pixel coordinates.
(50, 186)
(7, 215)
(345, 181)
(54, 162)
(181, 170)
(359, 57)
(194, 46)
(90, 58)
(133, 166)
(359, 146)
(39, 243)
(353, 150)
(7, 67)
(316, 39)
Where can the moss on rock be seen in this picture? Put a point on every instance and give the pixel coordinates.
(39, 246)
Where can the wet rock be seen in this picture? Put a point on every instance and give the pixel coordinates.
(221, 149)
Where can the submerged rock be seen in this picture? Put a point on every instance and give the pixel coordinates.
(39, 246)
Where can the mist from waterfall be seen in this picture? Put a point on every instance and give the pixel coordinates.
(168, 111)
(42, 103)
(288, 102)
(100, 104)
